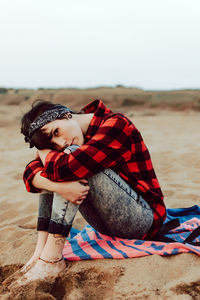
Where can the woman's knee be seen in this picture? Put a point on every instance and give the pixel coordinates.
(109, 185)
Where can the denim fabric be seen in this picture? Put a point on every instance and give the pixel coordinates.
(56, 214)
(63, 213)
(44, 210)
(112, 207)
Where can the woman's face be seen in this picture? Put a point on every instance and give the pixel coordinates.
(64, 133)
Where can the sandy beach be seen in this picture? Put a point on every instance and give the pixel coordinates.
(172, 137)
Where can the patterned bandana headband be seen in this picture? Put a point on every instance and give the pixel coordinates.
(48, 116)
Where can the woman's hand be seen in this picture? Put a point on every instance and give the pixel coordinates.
(73, 191)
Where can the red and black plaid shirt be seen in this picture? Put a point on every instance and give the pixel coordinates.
(111, 141)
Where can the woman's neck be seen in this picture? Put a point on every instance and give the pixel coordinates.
(83, 121)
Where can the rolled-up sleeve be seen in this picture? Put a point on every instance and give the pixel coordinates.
(31, 169)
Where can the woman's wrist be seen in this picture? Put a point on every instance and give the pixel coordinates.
(44, 184)
(55, 187)
(51, 186)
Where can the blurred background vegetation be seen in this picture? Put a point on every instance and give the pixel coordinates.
(118, 97)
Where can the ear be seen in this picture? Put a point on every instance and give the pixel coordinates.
(68, 115)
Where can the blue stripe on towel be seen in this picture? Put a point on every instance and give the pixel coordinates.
(120, 251)
(78, 250)
(135, 248)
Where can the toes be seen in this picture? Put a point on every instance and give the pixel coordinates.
(12, 278)
(21, 281)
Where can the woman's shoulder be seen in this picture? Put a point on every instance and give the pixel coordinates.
(120, 122)
(121, 118)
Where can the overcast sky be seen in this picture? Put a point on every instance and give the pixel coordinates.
(151, 44)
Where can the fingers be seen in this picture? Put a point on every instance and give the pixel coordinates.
(84, 190)
(83, 181)
(85, 193)
(81, 198)
(79, 201)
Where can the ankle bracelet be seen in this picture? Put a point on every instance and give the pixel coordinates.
(51, 262)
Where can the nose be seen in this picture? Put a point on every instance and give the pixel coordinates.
(61, 143)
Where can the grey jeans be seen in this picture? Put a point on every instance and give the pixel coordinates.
(112, 207)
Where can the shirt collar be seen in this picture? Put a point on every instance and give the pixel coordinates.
(100, 111)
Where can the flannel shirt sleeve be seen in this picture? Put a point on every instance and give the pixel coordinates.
(31, 169)
(109, 146)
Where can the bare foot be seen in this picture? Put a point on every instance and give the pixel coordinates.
(40, 270)
(20, 272)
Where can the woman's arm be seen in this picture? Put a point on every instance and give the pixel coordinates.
(75, 191)
(42, 183)
(34, 167)
(111, 145)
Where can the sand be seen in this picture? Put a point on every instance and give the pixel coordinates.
(173, 140)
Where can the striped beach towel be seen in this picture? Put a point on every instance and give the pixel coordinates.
(185, 237)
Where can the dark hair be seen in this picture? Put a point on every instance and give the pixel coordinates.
(40, 139)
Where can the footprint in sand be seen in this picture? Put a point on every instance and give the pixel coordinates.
(27, 226)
